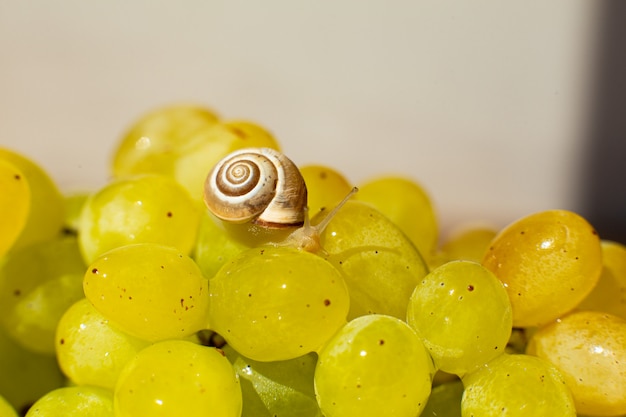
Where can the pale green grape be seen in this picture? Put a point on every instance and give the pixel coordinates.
(6, 409)
(14, 204)
(609, 295)
(150, 291)
(326, 187)
(46, 208)
(77, 401)
(516, 385)
(548, 261)
(90, 350)
(589, 349)
(73, 207)
(374, 366)
(463, 315)
(444, 400)
(153, 142)
(276, 389)
(208, 146)
(407, 204)
(214, 245)
(140, 209)
(379, 263)
(277, 303)
(178, 378)
(37, 284)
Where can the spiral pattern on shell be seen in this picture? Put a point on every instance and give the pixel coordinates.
(259, 185)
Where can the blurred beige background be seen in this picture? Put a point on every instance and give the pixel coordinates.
(482, 102)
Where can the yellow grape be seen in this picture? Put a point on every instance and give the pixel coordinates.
(14, 204)
(589, 348)
(6, 409)
(469, 244)
(277, 303)
(150, 291)
(609, 295)
(516, 386)
(46, 207)
(141, 209)
(175, 378)
(76, 401)
(548, 261)
(407, 204)
(90, 350)
(325, 186)
(153, 142)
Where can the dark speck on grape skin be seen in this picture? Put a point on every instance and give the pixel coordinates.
(323, 175)
(170, 214)
(17, 292)
(17, 177)
(94, 271)
(470, 288)
(327, 302)
(62, 341)
(381, 342)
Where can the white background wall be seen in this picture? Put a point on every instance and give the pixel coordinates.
(483, 101)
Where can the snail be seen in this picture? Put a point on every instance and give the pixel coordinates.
(262, 188)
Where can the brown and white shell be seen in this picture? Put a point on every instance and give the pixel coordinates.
(258, 185)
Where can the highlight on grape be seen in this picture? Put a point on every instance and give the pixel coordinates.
(299, 297)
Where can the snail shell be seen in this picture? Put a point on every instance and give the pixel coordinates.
(258, 185)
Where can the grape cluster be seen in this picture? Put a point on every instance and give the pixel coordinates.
(135, 299)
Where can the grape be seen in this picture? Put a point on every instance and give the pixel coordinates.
(6, 409)
(73, 207)
(589, 349)
(325, 185)
(46, 208)
(90, 350)
(150, 291)
(469, 243)
(548, 261)
(178, 378)
(463, 315)
(379, 263)
(77, 401)
(609, 295)
(214, 245)
(374, 366)
(37, 284)
(277, 303)
(24, 375)
(153, 142)
(406, 204)
(444, 400)
(14, 204)
(516, 385)
(141, 209)
(276, 389)
(208, 146)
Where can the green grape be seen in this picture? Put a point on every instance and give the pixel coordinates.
(178, 378)
(90, 350)
(153, 142)
(6, 409)
(325, 186)
(463, 315)
(406, 204)
(379, 263)
(214, 245)
(73, 207)
(46, 208)
(150, 291)
(589, 349)
(444, 400)
(374, 366)
(37, 284)
(516, 385)
(276, 389)
(14, 204)
(277, 303)
(140, 209)
(206, 147)
(25, 375)
(76, 401)
(609, 294)
(469, 244)
(548, 261)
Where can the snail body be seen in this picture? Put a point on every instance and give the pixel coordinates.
(257, 185)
